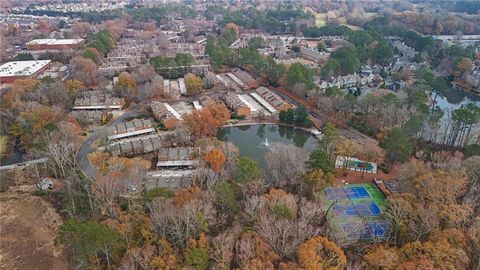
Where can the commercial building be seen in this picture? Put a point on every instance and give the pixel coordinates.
(54, 44)
(11, 71)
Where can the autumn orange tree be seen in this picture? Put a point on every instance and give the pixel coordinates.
(73, 86)
(252, 252)
(216, 159)
(193, 84)
(464, 66)
(13, 98)
(232, 26)
(84, 69)
(205, 122)
(317, 180)
(444, 250)
(126, 85)
(321, 253)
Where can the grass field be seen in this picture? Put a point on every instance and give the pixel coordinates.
(320, 18)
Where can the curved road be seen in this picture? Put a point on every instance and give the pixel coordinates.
(86, 147)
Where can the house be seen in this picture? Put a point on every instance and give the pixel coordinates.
(235, 104)
(350, 80)
(11, 71)
(275, 100)
(178, 158)
(366, 70)
(323, 85)
(394, 86)
(165, 113)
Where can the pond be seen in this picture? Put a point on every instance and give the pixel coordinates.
(456, 98)
(254, 140)
(453, 100)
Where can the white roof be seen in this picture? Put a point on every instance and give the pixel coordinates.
(97, 107)
(235, 79)
(242, 98)
(132, 133)
(22, 68)
(172, 111)
(51, 41)
(181, 83)
(264, 103)
(197, 105)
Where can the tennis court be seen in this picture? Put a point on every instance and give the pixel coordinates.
(357, 210)
(370, 230)
(347, 193)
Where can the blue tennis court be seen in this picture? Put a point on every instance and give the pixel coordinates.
(373, 229)
(347, 193)
(357, 210)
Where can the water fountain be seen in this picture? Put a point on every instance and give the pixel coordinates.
(266, 143)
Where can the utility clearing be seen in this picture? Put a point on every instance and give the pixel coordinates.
(28, 226)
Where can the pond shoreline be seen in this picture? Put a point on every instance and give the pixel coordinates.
(312, 131)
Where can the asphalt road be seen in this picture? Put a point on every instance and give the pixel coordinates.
(86, 148)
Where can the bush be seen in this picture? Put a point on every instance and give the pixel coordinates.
(158, 192)
(237, 117)
(384, 168)
(471, 150)
(363, 127)
(41, 193)
(3, 184)
(283, 211)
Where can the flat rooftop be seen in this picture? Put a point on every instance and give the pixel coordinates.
(52, 41)
(22, 68)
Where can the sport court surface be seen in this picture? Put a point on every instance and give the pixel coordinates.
(357, 209)
(370, 230)
(346, 193)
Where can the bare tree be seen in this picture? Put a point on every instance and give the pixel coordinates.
(285, 163)
(223, 249)
(61, 147)
(178, 224)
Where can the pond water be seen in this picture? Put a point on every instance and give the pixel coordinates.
(254, 140)
(454, 99)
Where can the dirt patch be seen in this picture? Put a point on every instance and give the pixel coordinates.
(348, 176)
(28, 226)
